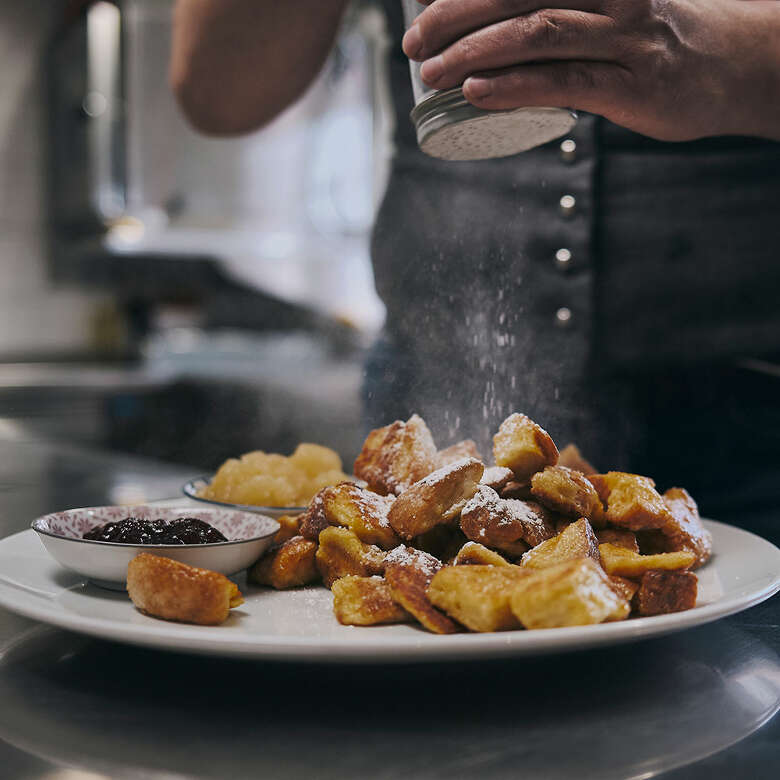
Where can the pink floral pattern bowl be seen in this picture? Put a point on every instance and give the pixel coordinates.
(105, 563)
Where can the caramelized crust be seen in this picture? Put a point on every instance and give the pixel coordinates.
(617, 560)
(290, 565)
(341, 553)
(171, 590)
(631, 500)
(685, 530)
(474, 554)
(363, 512)
(623, 587)
(409, 572)
(662, 592)
(574, 593)
(568, 492)
(462, 449)
(365, 601)
(477, 596)
(524, 447)
(575, 541)
(436, 499)
(502, 523)
(314, 520)
(571, 457)
(393, 458)
(619, 537)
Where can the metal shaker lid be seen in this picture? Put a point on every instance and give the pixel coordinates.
(451, 128)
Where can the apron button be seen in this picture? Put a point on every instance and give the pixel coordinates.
(568, 150)
(563, 259)
(568, 205)
(563, 317)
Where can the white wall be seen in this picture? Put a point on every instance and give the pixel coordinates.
(34, 316)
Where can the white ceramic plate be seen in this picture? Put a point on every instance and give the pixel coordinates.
(105, 563)
(300, 624)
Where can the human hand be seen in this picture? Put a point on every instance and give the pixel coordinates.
(670, 69)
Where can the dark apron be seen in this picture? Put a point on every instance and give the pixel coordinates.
(631, 348)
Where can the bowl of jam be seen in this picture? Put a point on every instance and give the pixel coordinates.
(99, 542)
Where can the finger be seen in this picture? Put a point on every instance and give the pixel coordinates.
(598, 87)
(543, 35)
(447, 20)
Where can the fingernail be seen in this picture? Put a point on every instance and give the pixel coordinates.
(412, 41)
(478, 88)
(432, 70)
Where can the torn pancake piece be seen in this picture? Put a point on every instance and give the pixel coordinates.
(436, 499)
(168, 589)
(409, 572)
(396, 456)
(365, 601)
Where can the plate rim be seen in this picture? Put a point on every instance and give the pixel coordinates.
(395, 648)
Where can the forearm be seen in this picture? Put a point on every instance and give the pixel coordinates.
(235, 64)
(756, 92)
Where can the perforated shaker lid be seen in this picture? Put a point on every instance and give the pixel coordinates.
(450, 128)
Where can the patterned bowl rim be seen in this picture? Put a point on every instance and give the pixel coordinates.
(190, 489)
(38, 523)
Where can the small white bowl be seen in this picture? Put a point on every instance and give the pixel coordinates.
(105, 563)
(194, 486)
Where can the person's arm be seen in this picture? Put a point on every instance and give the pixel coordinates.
(670, 69)
(236, 64)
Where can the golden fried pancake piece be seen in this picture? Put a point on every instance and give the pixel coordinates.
(662, 592)
(568, 492)
(524, 447)
(361, 511)
(435, 499)
(620, 537)
(314, 520)
(477, 596)
(631, 500)
(341, 553)
(574, 593)
(618, 560)
(503, 523)
(576, 541)
(497, 477)
(171, 590)
(476, 554)
(685, 530)
(289, 526)
(393, 458)
(571, 457)
(365, 601)
(289, 565)
(409, 572)
(462, 449)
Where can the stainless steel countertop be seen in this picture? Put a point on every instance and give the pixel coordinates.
(75, 707)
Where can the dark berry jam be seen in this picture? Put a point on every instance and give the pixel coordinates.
(137, 530)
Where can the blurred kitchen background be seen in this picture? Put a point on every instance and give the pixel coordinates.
(167, 294)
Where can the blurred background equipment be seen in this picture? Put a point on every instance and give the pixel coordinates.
(169, 294)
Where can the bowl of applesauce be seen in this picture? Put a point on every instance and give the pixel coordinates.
(269, 483)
